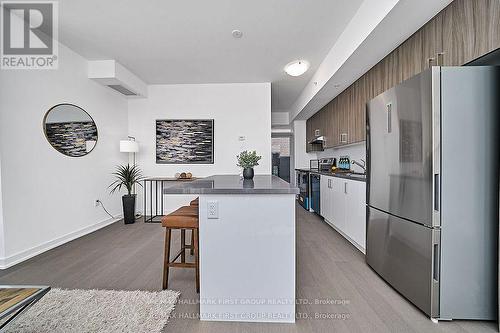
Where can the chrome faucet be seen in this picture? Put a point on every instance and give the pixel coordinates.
(362, 166)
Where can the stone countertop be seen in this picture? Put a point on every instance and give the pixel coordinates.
(350, 176)
(233, 184)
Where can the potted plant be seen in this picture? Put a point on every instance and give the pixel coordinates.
(127, 176)
(247, 160)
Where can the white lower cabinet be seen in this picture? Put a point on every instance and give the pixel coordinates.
(325, 196)
(343, 205)
(356, 211)
(339, 204)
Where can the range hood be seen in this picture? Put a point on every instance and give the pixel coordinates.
(318, 140)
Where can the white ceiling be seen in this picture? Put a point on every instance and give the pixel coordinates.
(175, 42)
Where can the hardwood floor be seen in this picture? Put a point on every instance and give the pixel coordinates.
(329, 269)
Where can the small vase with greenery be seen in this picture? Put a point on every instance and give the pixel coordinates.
(247, 160)
(127, 176)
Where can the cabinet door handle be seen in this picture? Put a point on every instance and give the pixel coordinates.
(345, 187)
(430, 61)
(440, 58)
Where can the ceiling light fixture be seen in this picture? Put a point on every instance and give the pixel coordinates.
(297, 68)
(237, 34)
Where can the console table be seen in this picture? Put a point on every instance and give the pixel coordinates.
(156, 183)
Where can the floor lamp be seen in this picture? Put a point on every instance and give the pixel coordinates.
(130, 146)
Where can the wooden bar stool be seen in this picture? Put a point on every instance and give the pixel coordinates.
(193, 203)
(183, 218)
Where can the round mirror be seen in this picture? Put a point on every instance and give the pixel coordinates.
(70, 130)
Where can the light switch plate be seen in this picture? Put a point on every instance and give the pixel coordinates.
(212, 209)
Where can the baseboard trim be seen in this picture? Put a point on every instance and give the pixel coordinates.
(19, 257)
(343, 234)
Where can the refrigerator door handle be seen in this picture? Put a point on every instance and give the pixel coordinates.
(436, 192)
(435, 259)
(389, 118)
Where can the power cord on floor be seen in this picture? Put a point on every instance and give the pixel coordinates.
(102, 205)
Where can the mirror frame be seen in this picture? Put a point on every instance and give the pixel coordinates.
(44, 121)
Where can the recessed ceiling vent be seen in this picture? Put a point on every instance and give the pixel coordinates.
(122, 90)
(113, 75)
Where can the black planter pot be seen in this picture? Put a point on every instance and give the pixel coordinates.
(248, 173)
(248, 183)
(128, 208)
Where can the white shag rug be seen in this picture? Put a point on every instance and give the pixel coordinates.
(84, 311)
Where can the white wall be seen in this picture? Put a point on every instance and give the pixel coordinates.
(237, 109)
(48, 198)
(355, 152)
(2, 238)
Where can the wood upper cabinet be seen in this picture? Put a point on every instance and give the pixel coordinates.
(328, 123)
(493, 20)
(310, 124)
(460, 33)
(390, 71)
(375, 82)
(411, 57)
(432, 42)
(316, 130)
(457, 33)
(308, 134)
(334, 128)
(357, 115)
(313, 129)
(471, 29)
(342, 116)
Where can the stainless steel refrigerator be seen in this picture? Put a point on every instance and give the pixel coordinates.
(432, 191)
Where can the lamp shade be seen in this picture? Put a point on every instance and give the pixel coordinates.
(128, 146)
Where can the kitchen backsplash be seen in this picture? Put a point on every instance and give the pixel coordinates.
(355, 152)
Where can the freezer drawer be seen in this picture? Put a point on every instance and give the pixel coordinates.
(406, 255)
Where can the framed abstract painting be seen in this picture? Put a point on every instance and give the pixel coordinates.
(185, 141)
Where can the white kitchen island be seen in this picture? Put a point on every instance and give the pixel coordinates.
(247, 247)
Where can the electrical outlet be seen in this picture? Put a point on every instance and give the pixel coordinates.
(212, 209)
(97, 202)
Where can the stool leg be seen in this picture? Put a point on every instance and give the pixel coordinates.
(192, 242)
(166, 259)
(196, 259)
(183, 245)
